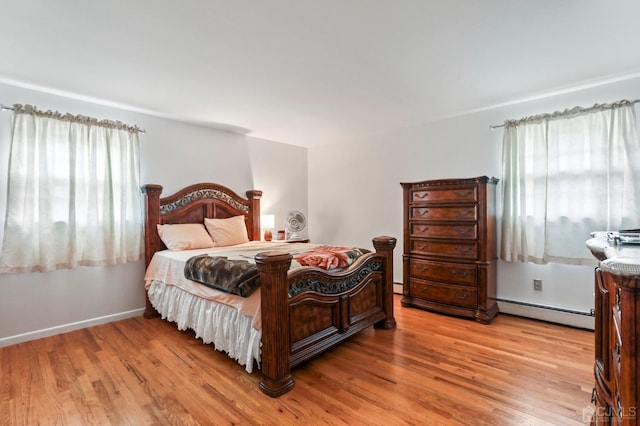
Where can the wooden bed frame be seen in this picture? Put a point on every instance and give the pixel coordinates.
(305, 311)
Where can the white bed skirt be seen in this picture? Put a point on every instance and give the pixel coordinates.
(225, 327)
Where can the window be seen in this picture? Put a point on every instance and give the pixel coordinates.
(566, 175)
(74, 193)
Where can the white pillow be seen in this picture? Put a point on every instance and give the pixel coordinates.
(185, 236)
(227, 232)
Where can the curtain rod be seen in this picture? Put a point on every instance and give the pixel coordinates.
(10, 108)
(495, 126)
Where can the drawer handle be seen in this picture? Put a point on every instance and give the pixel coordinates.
(463, 213)
(422, 196)
(421, 268)
(461, 296)
(460, 275)
(422, 229)
(463, 249)
(422, 246)
(462, 194)
(619, 406)
(422, 212)
(462, 231)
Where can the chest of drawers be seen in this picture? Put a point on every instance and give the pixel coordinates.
(450, 255)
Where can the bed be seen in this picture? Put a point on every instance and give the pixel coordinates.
(296, 314)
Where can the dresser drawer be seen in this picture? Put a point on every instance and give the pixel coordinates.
(461, 194)
(449, 294)
(440, 271)
(469, 212)
(436, 248)
(465, 231)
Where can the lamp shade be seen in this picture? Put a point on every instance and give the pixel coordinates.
(267, 221)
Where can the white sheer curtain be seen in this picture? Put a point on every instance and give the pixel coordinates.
(74, 193)
(565, 175)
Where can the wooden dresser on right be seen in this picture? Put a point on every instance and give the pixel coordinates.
(450, 254)
(617, 331)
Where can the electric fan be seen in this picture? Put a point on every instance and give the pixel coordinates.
(295, 223)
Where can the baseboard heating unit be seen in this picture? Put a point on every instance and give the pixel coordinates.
(563, 316)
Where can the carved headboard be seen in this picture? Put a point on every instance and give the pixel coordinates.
(192, 205)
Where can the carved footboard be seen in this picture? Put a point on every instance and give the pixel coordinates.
(309, 310)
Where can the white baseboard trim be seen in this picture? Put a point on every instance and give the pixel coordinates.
(545, 313)
(397, 288)
(65, 328)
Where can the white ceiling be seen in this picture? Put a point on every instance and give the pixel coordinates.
(309, 72)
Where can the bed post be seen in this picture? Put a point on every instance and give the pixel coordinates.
(254, 196)
(384, 246)
(276, 341)
(152, 242)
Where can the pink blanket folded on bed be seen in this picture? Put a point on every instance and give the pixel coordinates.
(328, 257)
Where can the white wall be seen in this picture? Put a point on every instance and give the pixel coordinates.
(355, 191)
(173, 154)
(282, 169)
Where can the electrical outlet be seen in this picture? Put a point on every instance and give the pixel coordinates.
(537, 285)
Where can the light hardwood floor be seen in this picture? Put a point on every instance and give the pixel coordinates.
(432, 369)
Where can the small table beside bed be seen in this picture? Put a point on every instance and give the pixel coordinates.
(263, 305)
